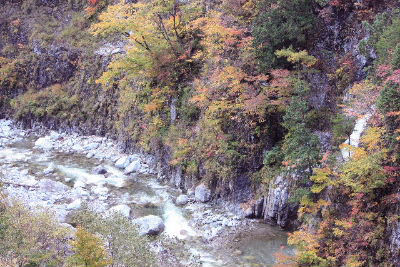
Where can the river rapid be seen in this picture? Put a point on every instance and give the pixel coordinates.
(60, 172)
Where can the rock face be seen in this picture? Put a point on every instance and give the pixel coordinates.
(276, 206)
(150, 225)
(182, 200)
(202, 193)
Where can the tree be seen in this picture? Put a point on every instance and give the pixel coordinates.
(342, 128)
(121, 238)
(28, 237)
(281, 24)
(300, 145)
(89, 250)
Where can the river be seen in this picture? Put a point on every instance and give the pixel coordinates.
(59, 175)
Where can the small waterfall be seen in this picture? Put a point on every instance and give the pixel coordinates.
(355, 136)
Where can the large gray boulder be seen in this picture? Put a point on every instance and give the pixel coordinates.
(202, 193)
(122, 162)
(134, 166)
(182, 200)
(150, 225)
(44, 143)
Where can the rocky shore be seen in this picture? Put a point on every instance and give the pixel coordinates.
(61, 172)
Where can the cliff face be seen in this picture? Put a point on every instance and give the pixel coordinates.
(50, 65)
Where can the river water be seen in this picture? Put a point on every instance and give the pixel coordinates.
(210, 234)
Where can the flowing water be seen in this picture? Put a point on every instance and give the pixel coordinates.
(145, 196)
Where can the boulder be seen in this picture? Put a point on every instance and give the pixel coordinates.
(134, 166)
(99, 170)
(50, 169)
(182, 200)
(202, 193)
(122, 162)
(150, 225)
(91, 146)
(54, 135)
(44, 143)
(52, 186)
(74, 205)
(124, 210)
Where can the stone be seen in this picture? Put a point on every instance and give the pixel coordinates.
(150, 225)
(134, 166)
(122, 162)
(202, 193)
(54, 135)
(182, 200)
(91, 146)
(99, 170)
(44, 143)
(74, 205)
(123, 209)
(99, 190)
(50, 169)
(52, 186)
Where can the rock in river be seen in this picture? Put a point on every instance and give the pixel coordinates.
(182, 200)
(122, 162)
(99, 170)
(135, 166)
(150, 225)
(44, 143)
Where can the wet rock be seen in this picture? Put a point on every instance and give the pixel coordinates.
(124, 210)
(99, 170)
(202, 193)
(150, 225)
(182, 200)
(49, 170)
(44, 143)
(122, 162)
(134, 166)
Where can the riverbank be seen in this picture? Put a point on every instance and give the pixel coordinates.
(61, 172)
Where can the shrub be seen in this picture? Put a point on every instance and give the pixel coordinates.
(89, 250)
(49, 102)
(29, 237)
